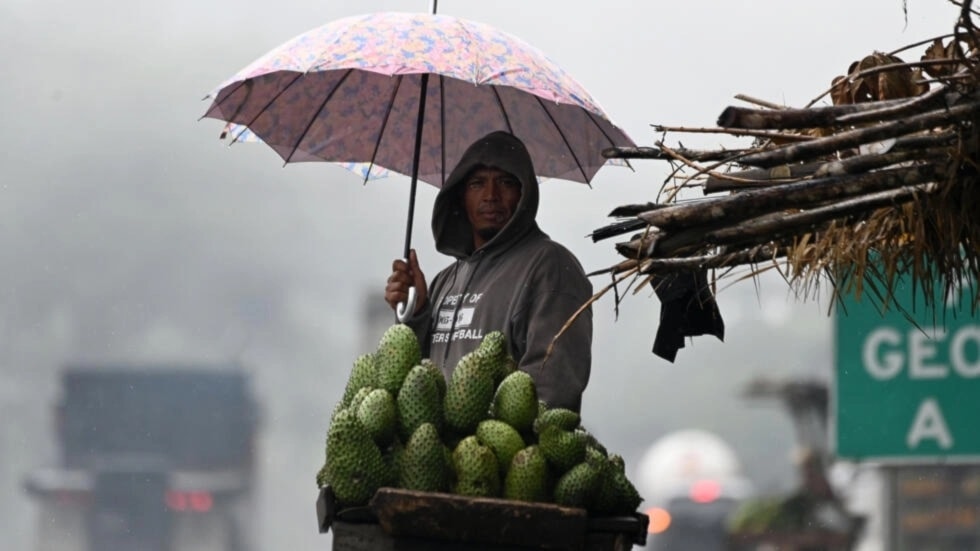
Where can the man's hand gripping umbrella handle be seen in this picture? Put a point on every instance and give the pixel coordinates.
(404, 310)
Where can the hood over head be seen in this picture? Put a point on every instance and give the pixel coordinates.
(450, 227)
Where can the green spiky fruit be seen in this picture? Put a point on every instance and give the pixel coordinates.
(604, 500)
(527, 476)
(321, 477)
(594, 455)
(393, 457)
(419, 402)
(577, 487)
(476, 470)
(591, 441)
(423, 465)
(436, 374)
(359, 396)
(562, 448)
(625, 495)
(615, 494)
(363, 374)
(468, 395)
(494, 344)
(398, 352)
(379, 416)
(516, 401)
(617, 461)
(354, 466)
(625, 498)
(562, 418)
(502, 439)
(493, 348)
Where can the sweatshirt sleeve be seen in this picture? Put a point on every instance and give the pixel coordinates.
(556, 290)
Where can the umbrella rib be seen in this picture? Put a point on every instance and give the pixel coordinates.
(564, 139)
(442, 128)
(258, 113)
(239, 84)
(612, 143)
(503, 111)
(384, 125)
(317, 114)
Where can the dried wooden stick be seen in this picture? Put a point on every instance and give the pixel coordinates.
(656, 153)
(733, 132)
(795, 152)
(720, 260)
(902, 108)
(920, 43)
(760, 102)
(762, 229)
(781, 174)
(873, 161)
(760, 177)
(754, 202)
(904, 65)
(677, 157)
(821, 117)
(584, 307)
(774, 226)
(621, 267)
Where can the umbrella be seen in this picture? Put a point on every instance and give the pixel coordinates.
(408, 92)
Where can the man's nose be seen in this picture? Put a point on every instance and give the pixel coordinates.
(491, 191)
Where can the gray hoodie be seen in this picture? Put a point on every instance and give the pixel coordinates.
(520, 282)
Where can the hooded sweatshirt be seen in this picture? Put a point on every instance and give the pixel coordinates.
(520, 282)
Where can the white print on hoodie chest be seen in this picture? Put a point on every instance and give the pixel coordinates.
(463, 307)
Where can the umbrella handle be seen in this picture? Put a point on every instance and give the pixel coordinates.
(406, 309)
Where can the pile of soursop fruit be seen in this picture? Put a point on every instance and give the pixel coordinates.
(485, 433)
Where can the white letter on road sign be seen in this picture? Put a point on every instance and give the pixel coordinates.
(929, 423)
(957, 351)
(922, 348)
(892, 363)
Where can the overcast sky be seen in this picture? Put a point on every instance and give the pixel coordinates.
(128, 231)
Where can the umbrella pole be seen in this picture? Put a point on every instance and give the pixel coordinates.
(403, 313)
(423, 89)
(416, 157)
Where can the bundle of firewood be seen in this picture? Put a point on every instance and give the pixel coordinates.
(881, 182)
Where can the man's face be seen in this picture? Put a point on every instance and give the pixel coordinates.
(490, 197)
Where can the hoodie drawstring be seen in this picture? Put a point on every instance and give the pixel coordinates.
(459, 302)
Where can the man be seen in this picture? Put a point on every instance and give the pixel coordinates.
(508, 275)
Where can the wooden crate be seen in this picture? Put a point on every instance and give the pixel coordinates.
(410, 521)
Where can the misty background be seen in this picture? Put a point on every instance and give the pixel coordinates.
(129, 232)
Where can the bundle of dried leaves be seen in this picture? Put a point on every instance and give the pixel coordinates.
(883, 182)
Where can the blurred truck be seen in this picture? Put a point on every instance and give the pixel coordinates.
(150, 458)
(692, 481)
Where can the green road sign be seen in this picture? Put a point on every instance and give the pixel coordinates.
(905, 393)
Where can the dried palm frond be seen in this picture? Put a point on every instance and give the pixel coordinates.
(883, 183)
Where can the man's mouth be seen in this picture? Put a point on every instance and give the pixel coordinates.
(498, 216)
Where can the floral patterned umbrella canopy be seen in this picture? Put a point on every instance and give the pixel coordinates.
(348, 91)
(409, 92)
